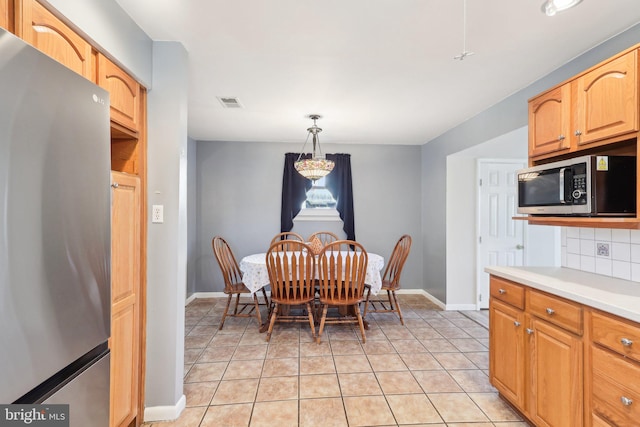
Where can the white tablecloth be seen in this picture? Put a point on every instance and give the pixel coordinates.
(255, 275)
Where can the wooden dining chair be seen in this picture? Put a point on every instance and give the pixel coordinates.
(320, 239)
(287, 236)
(233, 284)
(390, 281)
(291, 267)
(342, 267)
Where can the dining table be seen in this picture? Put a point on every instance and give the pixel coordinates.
(255, 275)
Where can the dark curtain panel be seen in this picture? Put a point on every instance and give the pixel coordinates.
(294, 191)
(339, 183)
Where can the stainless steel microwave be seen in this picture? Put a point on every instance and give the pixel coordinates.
(582, 186)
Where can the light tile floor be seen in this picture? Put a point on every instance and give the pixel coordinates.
(430, 372)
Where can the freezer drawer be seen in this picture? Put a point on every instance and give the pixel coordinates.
(87, 395)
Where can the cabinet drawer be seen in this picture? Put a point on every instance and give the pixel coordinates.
(555, 310)
(616, 389)
(507, 291)
(617, 335)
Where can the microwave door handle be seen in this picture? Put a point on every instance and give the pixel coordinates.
(562, 185)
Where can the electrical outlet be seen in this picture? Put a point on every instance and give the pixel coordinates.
(157, 214)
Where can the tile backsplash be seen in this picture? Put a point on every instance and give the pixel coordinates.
(607, 251)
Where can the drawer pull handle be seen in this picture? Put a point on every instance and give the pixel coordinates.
(550, 311)
(529, 331)
(502, 291)
(626, 342)
(516, 323)
(626, 401)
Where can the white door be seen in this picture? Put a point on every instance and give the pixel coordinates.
(500, 238)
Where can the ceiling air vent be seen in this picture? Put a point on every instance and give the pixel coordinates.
(229, 102)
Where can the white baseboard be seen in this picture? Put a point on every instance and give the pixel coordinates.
(190, 299)
(436, 301)
(165, 413)
(197, 295)
(462, 307)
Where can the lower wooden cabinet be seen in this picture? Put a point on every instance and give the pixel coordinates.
(6, 15)
(125, 298)
(535, 364)
(561, 363)
(614, 371)
(556, 375)
(506, 340)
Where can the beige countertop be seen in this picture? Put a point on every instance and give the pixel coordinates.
(616, 296)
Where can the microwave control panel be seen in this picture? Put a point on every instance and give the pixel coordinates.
(579, 190)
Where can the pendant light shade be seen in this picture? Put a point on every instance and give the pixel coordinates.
(317, 166)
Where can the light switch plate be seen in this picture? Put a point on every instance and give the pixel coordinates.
(157, 214)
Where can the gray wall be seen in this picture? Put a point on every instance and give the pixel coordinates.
(167, 242)
(192, 230)
(239, 196)
(504, 117)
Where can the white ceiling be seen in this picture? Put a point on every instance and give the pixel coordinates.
(378, 71)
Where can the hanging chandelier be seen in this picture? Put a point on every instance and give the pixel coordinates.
(317, 166)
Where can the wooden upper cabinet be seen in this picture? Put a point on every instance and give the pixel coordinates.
(40, 28)
(607, 100)
(550, 121)
(124, 93)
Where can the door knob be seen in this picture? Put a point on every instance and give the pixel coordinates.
(519, 247)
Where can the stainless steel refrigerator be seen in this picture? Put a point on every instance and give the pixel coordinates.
(55, 235)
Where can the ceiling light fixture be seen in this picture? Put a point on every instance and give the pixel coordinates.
(551, 7)
(465, 52)
(317, 166)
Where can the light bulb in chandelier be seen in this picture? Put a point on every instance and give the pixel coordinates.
(317, 166)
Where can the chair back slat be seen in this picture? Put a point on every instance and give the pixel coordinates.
(291, 267)
(342, 271)
(227, 261)
(397, 260)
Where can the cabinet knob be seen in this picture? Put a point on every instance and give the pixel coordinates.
(502, 291)
(550, 311)
(578, 133)
(626, 342)
(529, 331)
(114, 185)
(626, 401)
(560, 137)
(516, 323)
